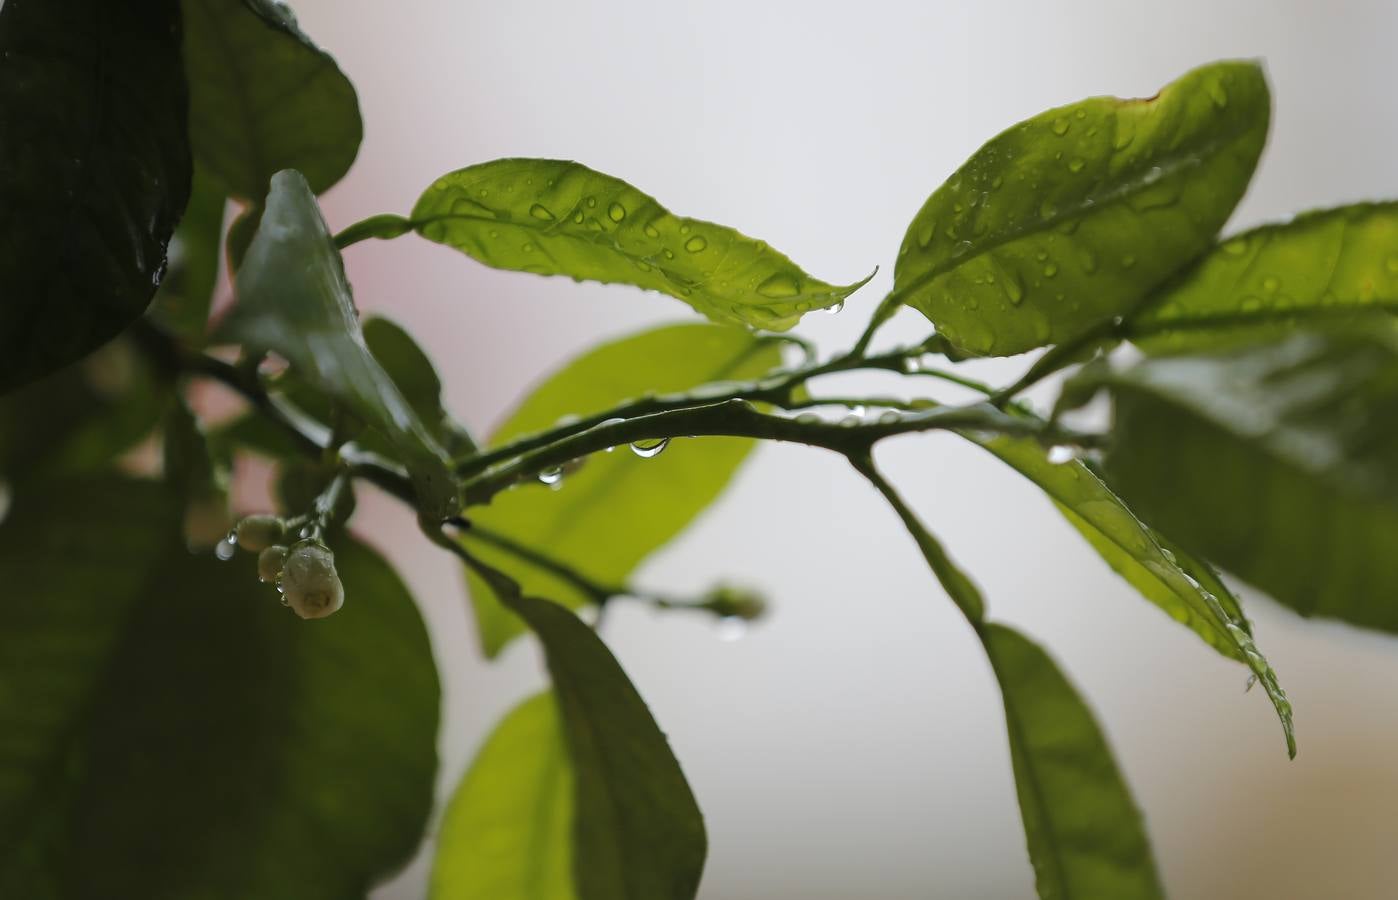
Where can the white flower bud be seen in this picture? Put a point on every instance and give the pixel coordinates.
(270, 563)
(309, 583)
(257, 533)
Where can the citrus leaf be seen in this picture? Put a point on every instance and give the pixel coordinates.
(263, 97)
(417, 380)
(1085, 834)
(507, 832)
(1070, 218)
(1275, 461)
(1326, 265)
(94, 172)
(553, 217)
(613, 512)
(293, 299)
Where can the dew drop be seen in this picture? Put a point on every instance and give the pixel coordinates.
(577, 217)
(1076, 164)
(731, 628)
(649, 449)
(225, 548)
(1047, 209)
(528, 248)
(1060, 454)
(541, 212)
(616, 212)
(1270, 284)
(551, 476)
(1061, 126)
(836, 309)
(696, 244)
(591, 202)
(652, 231)
(1050, 270)
(1014, 290)
(1218, 94)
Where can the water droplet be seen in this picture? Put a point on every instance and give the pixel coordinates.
(616, 212)
(1123, 140)
(1076, 164)
(835, 309)
(731, 628)
(1050, 270)
(225, 549)
(1061, 126)
(889, 417)
(649, 449)
(541, 212)
(652, 231)
(528, 248)
(552, 476)
(1014, 290)
(591, 202)
(1271, 283)
(1059, 454)
(961, 248)
(996, 182)
(779, 285)
(1218, 94)
(695, 244)
(926, 233)
(1048, 209)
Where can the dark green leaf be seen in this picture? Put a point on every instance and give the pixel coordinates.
(1070, 218)
(1086, 838)
(293, 299)
(264, 98)
(507, 833)
(181, 306)
(1329, 264)
(552, 217)
(1165, 574)
(300, 482)
(198, 470)
(617, 509)
(417, 380)
(1278, 462)
(94, 172)
(240, 235)
(171, 731)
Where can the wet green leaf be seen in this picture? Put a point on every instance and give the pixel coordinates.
(1326, 265)
(1279, 462)
(1070, 218)
(293, 299)
(613, 512)
(94, 172)
(1187, 589)
(417, 380)
(263, 97)
(507, 832)
(552, 217)
(181, 306)
(1086, 838)
(142, 687)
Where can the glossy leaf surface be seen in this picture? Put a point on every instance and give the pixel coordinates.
(1185, 588)
(182, 304)
(1086, 837)
(1326, 265)
(264, 98)
(552, 217)
(94, 172)
(1277, 462)
(1071, 218)
(610, 514)
(508, 831)
(293, 299)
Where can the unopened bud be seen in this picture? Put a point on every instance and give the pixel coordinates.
(270, 563)
(257, 533)
(309, 583)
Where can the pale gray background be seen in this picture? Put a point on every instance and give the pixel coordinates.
(853, 746)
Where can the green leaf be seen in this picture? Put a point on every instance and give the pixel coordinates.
(552, 217)
(293, 299)
(1165, 574)
(94, 172)
(198, 469)
(417, 380)
(1085, 835)
(264, 98)
(181, 306)
(1070, 218)
(638, 833)
(1325, 265)
(507, 832)
(1278, 462)
(170, 730)
(617, 509)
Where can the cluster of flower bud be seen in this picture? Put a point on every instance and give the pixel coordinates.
(304, 572)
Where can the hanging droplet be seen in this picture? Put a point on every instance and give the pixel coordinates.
(1060, 454)
(649, 449)
(836, 309)
(732, 628)
(225, 549)
(551, 476)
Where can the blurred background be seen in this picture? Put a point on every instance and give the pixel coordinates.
(852, 745)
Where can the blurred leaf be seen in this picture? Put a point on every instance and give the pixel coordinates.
(198, 470)
(1264, 283)
(1086, 838)
(263, 97)
(1279, 462)
(1070, 218)
(616, 509)
(417, 380)
(507, 832)
(552, 217)
(94, 172)
(181, 306)
(171, 731)
(300, 482)
(81, 418)
(293, 299)
(1165, 574)
(240, 235)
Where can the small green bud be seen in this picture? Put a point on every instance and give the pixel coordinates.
(257, 533)
(309, 583)
(271, 561)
